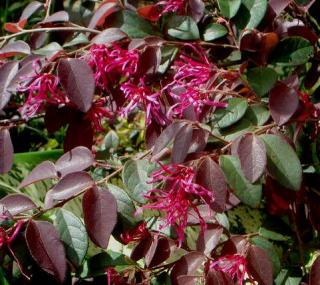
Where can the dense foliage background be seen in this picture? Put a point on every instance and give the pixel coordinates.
(160, 142)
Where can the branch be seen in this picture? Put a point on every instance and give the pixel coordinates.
(10, 123)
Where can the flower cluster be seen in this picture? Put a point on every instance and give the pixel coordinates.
(178, 6)
(178, 196)
(135, 234)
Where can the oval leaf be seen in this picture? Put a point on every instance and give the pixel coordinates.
(7, 73)
(181, 144)
(214, 31)
(209, 238)
(6, 151)
(17, 203)
(229, 8)
(15, 48)
(101, 14)
(261, 79)
(109, 36)
(183, 28)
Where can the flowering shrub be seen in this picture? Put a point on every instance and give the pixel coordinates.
(190, 131)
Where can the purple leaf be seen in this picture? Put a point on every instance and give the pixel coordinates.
(141, 248)
(77, 79)
(283, 103)
(60, 16)
(17, 203)
(7, 73)
(314, 278)
(210, 176)
(196, 9)
(181, 144)
(253, 156)
(209, 239)
(32, 7)
(199, 140)
(44, 170)
(46, 248)
(149, 61)
(187, 280)
(77, 159)
(278, 5)
(6, 151)
(100, 215)
(158, 252)
(15, 48)
(102, 13)
(109, 36)
(215, 277)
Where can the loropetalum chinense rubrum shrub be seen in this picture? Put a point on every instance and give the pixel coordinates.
(191, 136)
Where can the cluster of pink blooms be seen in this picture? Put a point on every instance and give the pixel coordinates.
(234, 265)
(177, 6)
(179, 196)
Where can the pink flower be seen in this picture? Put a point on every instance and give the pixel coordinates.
(179, 195)
(234, 265)
(98, 112)
(44, 88)
(143, 96)
(110, 63)
(177, 6)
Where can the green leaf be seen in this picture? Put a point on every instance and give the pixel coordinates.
(3, 280)
(292, 51)
(272, 235)
(241, 127)
(214, 31)
(257, 114)
(78, 40)
(248, 193)
(229, 8)
(257, 10)
(183, 28)
(283, 162)
(135, 178)
(35, 158)
(261, 79)
(73, 234)
(111, 141)
(168, 54)
(233, 113)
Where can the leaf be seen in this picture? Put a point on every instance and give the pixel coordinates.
(233, 113)
(6, 151)
(248, 193)
(61, 16)
(15, 48)
(283, 103)
(158, 252)
(17, 203)
(46, 248)
(253, 156)
(109, 35)
(111, 141)
(215, 277)
(214, 31)
(183, 28)
(229, 8)
(257, 9)
(50, 51)
(100, 215)
(78, 40)
(28, 11)
(259, 265)
(77, 79)
(77, 159)
(102, 13)
(7, 73)
(197, 8)
(258, 114)
(210, 176)
(314, 278)
(135, 178)
(209, 238)
(261, 79)
(292, 51)
(283, 162)
(73, 234)
(44, 170)
(272, 235)
(181, 144)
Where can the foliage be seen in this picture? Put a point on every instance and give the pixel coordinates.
(190, 136)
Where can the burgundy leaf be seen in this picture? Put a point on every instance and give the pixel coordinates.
(305, 32)
(15, 48)
(17, 203)
(278, 5)
(71, 185)
(199, 140)
(31, 8)
(259, 265)
(149, 12)
(6, 151)
(60, 16)
(141, 249)
(44, 170)
(215, 277)
(149, 61)
(283, 102)
(7, 73)
(102, 13)
(186, 265)
(253, 156)
(158, 252)
(77, 79)
(209, 238)
(196, 9)
(77, 159)
(187, 280)
(181, 144)
(210, 176)
(314, 278)
(100, 215)
(109, 36)
(46, 248)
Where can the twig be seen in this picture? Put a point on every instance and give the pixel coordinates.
(10, 123)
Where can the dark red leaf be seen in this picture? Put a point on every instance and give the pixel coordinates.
(187, 280)
(100, 215)
(209, 238)
(253, 156)
(12, 27)
(77, 79)
(199, 140)
(303, 31)
(109, 36)
(259, 265)
(44, 170)
(149, 12)
(46, 248)
(278, 5)
(77, 159)
(7, 73)
(210, 176)
(149, 61)
(181, 144)
(158, 252)
(6, 151)
(314, 278)
(196, 9)
(60, 16)
(102, 13)
(141, 249)
(215, 277)
(31, 8)
(283, 103)
(56, 117)
(17, 203)
(186, 265)
(15, 48)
